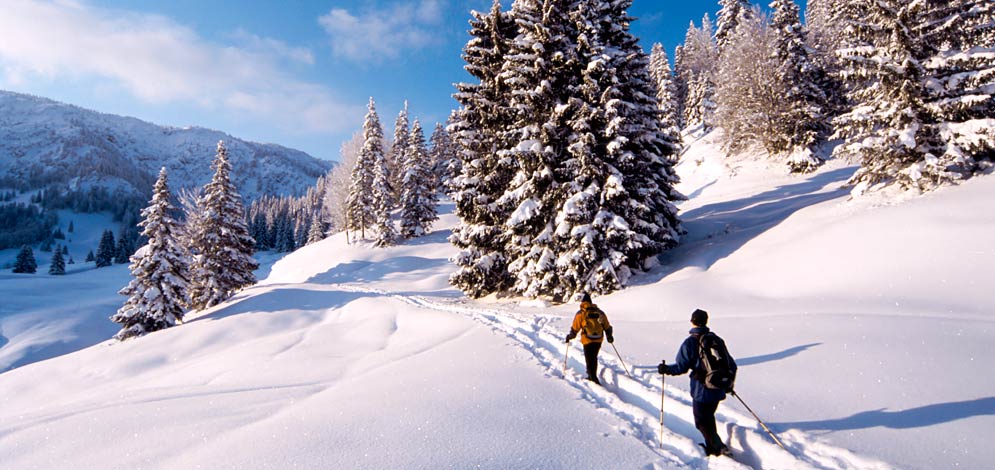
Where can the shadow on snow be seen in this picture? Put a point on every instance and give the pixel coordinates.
(718, 230)
(911, 418)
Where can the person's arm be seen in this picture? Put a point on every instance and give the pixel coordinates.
(683, 363)
(575, 327)
(608, 328)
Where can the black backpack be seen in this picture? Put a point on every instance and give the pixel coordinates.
(715, 370)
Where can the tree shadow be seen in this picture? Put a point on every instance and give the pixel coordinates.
(748, 361)
(715, 231)
(906, 419)
(368, 271)
(282, 299)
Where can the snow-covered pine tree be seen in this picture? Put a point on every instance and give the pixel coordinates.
(396, 155)
(105, 250)
(699, 65)
(382, 193)
(731, 14)
(821, 32)
(122, 251)
(618, 212)
(418, 194)
(680, 83)
(221, 242)
(316, 232)
(90, 257)
(157, 293)
(442, 156)
(477, 128)
(957, 45)
(58, 265)
(889, 125)
(749, 96)
(25, 262)
(543, 71)
(801, 122)
(361, 204)
(666, 95)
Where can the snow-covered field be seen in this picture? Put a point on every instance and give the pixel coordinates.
(861, 328)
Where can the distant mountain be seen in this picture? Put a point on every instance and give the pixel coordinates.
(44, 143)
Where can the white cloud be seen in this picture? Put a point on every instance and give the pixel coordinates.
(375, 35)
(160, 61)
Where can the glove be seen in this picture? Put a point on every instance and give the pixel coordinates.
(570, 336)
(662, 368)
(610, 338)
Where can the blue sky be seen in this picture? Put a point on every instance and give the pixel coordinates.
(293, 72)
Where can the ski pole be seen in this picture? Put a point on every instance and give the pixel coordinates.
(566, 354)
(624, 367)
(778, 441)
(662, 395)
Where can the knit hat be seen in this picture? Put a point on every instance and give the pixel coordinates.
(586, 297)
(699, 317)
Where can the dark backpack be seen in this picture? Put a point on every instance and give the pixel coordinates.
(715, 370)
(593, 328)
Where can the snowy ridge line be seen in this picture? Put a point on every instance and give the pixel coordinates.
(635, 400)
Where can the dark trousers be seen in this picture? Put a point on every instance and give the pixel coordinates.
(704, 420)
(591, 356)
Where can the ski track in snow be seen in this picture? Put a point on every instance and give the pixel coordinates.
(634, 398)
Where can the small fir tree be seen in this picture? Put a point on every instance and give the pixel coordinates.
(360, 202)
(105, 250)
(89, 257)
(25, 262)
(58, 265)
(158, 291)
(223, 248)
(418, 199)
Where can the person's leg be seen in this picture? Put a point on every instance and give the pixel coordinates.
(591, 356)
(704, 420)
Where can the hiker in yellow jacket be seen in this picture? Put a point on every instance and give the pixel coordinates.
(594, 326)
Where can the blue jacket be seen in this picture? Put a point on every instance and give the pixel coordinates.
(687, 359)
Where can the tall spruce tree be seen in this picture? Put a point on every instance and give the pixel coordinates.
(157, 293)
(396, 157)
(957, 46)
(221, 242)
(543, 71)
(889, 125)
(418, 196)
(478, 128)
(25, 262)
(441, 157)
(58, 265)
(731, 14)
(666, 95)
(105, 250)
(590, 196)
(801, 121)
(361, 202)
(316, 232)
(382, 191)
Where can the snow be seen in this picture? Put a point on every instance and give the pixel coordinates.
(862, 327)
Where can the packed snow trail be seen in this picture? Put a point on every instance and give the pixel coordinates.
(635, 399)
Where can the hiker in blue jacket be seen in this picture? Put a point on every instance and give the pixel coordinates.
(704, 400)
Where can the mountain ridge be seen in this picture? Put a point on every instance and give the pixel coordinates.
(45, 143)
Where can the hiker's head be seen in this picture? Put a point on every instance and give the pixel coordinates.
(585, 297)
(699, 317)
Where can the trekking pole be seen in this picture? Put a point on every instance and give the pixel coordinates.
(662, 395)
(778, 441)
(566, 354)
(624, 367)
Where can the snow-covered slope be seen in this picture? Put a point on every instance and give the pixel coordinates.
(861, 328)
(43, 142)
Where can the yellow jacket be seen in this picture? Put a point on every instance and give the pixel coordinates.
(587, 308)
